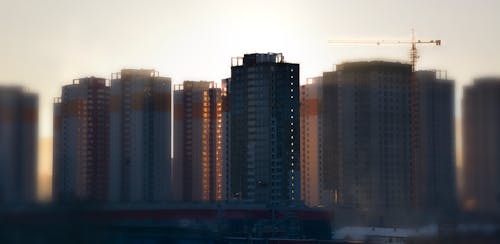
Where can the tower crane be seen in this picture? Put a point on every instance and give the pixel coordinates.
(415, 113)
(413, 42)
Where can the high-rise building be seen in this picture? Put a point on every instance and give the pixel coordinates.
(435, 176)
(329, 141)
(198, 142)
(140, 137)
(265, 129)
(18, 145)
(481, 145)
(367, 136)
(81, 136)
(226, 139)
(311, 95)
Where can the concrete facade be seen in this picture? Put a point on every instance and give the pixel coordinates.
(140, 137)
(311, 95)
(81, 136)
(198, 142)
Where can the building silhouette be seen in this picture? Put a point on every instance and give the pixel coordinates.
(329, 141)
(265, 129)
(226, 139)
(18, 145)
(198, 163)
(81, 141)
(367, 136)
(481, 145)
(140, 137)
(311, 98)
(435, 176)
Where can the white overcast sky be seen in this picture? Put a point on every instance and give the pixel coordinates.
(44, 44)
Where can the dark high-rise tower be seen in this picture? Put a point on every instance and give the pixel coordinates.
(435, 176)
(329, 140)
(198, 142)
(265, 130)
(18, 145)
(366, 136)
(481, 145)
(81, 137)
(140, 137)
(226, 138)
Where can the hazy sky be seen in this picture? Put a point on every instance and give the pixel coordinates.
(44, 44)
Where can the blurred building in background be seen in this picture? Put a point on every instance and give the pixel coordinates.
(481, 145)
(329, 141)
(81, 136)
(265, 129)
(354, 139)
(18, 145)
(311, 95)
(368, 152)
(140, 137)
(198, 163)
(435, 172)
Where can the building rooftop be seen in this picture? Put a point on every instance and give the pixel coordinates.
(258, 58)
(487, 80)
(90, 80)
(373, 65)
(135, 73)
